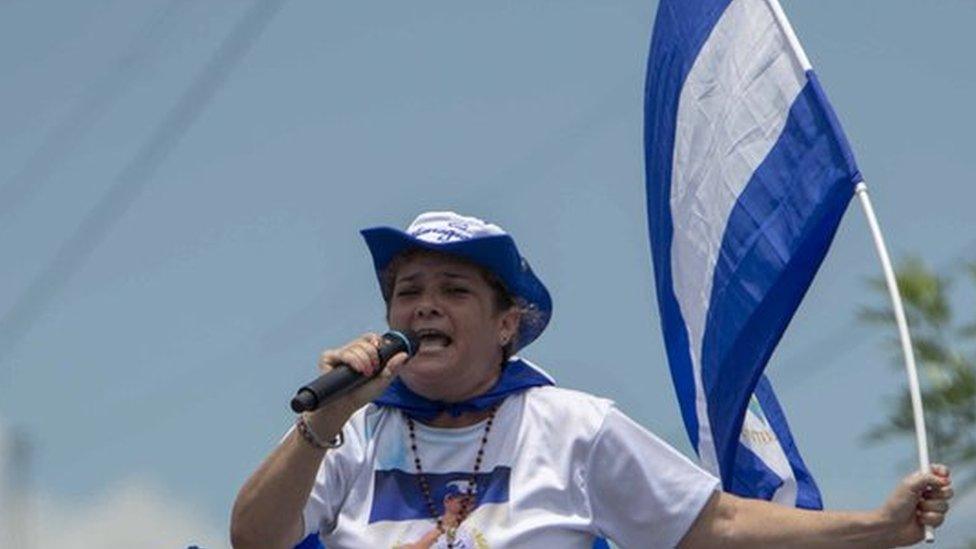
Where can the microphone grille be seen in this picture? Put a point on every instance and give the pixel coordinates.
(408, 339)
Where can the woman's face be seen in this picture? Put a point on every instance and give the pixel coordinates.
(451, 307)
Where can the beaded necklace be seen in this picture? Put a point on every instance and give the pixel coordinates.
(451, 532)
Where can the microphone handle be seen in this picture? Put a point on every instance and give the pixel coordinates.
(339, 380)
(342, 378)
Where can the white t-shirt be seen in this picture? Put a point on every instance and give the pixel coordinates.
(560, 468)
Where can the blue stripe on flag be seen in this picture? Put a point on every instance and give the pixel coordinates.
(752, 478)
(775, 240)
(680, 30)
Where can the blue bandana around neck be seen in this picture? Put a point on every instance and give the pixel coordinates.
(517, 376)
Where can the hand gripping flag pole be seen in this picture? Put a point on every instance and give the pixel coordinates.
(748, 176)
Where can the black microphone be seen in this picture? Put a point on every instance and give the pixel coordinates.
(342, 378)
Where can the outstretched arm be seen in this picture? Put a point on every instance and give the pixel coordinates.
(730, 521)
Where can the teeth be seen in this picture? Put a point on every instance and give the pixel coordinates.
(434, 337)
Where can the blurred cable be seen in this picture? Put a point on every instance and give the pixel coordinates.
(15, 501)
(134, 177)
(62, 139)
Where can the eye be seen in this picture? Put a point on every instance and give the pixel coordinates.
(457, 290)
(406, 292)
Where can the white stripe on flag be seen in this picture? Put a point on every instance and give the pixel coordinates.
(734, 86)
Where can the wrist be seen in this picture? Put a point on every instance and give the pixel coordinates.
(328, 420)
(313, 439)
(879, 525)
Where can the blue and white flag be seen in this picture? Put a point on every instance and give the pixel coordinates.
(748, 175)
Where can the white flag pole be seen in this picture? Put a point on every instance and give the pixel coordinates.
(861, 190)
(906, 343)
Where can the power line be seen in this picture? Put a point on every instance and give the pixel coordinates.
(68, 133)
(299, 324)
(134, 176)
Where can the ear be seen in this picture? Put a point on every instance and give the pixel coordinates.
(508, 325)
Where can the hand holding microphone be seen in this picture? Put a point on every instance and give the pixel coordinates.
(359, 371)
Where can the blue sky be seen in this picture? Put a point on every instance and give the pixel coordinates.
(161, 366)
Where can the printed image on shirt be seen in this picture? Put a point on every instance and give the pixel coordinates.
(459, 500)
(398, 496)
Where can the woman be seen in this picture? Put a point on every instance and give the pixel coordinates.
(542, 466)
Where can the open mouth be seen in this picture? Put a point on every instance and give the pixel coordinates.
(432, 340)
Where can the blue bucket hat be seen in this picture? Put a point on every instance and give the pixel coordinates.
(479, 242)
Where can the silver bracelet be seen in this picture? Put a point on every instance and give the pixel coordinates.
(301, 424)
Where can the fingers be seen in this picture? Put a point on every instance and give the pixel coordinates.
(930, 519)
(933, 505)
(360, 354)
(394, 363)
(940, 470)
(921, 483)
(945, 492)
(935, 489)
(940, 494)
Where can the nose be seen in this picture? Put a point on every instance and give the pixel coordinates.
(427, 308)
